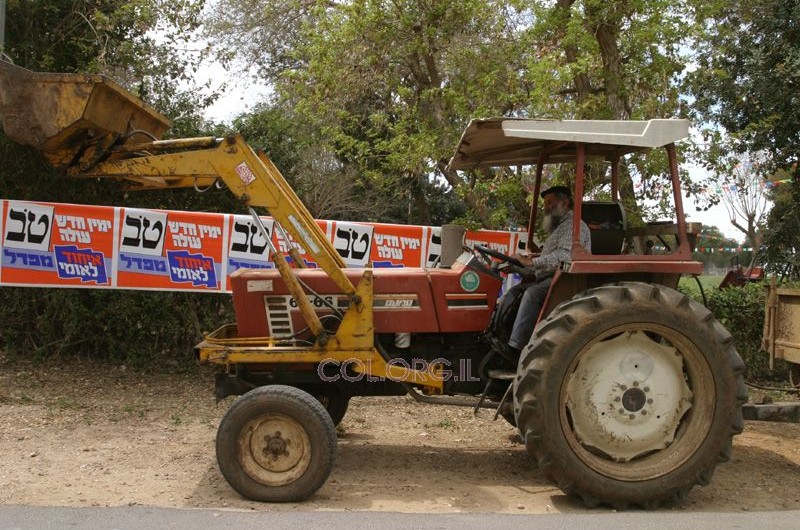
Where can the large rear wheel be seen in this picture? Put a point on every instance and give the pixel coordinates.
(277, 444)
(629, 394)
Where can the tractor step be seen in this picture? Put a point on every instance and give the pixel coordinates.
(502, 375)
(496, 375)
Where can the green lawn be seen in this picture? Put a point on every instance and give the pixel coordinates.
(710, 283)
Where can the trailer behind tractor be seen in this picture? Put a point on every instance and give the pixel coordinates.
(629, 392)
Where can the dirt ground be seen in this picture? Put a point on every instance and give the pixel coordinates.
(88, 435)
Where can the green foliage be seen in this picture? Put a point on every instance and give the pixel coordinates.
(327, 187)
(746, 68)
(381, 90)
(606, 59)
(598, 59)
(55, 36)
(27, 176)
(390, 86)
(782, 239)
(741, 311)
(745, 72)
(137, 328)
(707, 282)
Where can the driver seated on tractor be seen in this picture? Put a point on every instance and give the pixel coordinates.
(539, 269)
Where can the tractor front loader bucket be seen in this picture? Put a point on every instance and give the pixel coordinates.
(72, 119)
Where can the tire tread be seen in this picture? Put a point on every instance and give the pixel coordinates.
(531, 391)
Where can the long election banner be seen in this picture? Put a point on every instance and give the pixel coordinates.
(68, 245)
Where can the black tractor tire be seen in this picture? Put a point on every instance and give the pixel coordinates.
(509, 417)
(276, 444)
(629, 395)
(336, 404)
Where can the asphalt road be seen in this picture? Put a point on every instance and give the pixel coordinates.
(140, 518)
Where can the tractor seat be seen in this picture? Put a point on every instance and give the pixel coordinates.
(607, 225)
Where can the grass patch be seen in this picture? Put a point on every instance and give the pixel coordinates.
(443, 424)
(710, 283)
(64, 403)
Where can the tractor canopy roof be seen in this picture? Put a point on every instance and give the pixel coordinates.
(520, 141)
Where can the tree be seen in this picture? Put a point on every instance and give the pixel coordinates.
(746, 75)
(327, 188)
(263, 33)
(612, 59)
(744, 194)
(782, 237)
(744, 87)
(389, 85)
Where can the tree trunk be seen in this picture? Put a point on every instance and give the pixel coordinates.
(613, 77)
(606, 30)
(424, 68)
(583, 86)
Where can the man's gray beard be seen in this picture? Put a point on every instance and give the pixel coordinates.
(551, 221)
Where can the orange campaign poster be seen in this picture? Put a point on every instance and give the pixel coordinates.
(67, 245)
(169, 250)
(397, 246)
(283, 241)
(493, 239)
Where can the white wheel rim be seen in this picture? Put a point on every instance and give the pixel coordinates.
(274, 449)
(627, 396)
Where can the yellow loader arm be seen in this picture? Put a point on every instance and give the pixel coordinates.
(251, 177)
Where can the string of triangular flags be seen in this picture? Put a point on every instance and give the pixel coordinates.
(718, 188)
(711, 250)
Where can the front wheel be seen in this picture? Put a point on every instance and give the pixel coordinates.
(277, 444)
(629, 394)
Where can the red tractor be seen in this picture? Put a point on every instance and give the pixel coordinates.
(629, 392)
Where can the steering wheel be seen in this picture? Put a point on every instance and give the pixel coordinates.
(483, 262)
(486, 251)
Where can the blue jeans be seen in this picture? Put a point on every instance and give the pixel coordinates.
(529, 309)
